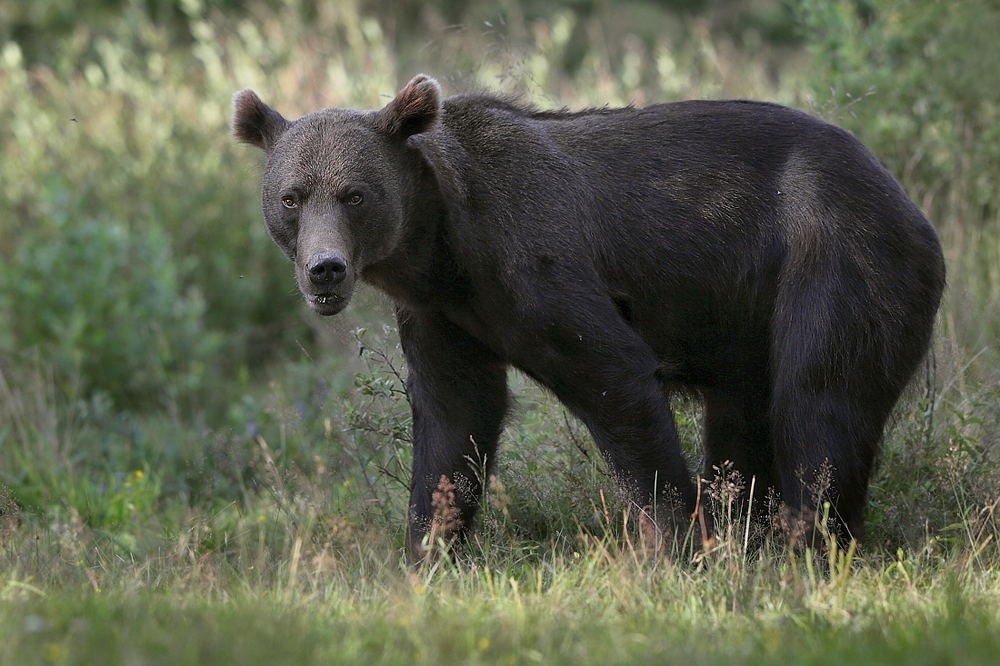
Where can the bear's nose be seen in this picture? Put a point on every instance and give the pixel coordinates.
(326, 268)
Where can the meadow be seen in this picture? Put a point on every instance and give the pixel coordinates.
(194, 469)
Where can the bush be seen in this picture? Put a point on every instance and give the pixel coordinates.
(105, 304)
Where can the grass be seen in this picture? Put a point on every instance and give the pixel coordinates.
(292, 553)
(309, 571)
(305, 565)
(79, 601)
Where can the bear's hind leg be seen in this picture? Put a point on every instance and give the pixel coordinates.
(825, 445)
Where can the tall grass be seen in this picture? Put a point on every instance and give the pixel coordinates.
(308, 589)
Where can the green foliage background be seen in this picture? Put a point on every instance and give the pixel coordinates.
(167, 400)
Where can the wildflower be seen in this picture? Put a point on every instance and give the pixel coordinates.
(54, 653)
(446, 521)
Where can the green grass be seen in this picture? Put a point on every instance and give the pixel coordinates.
(598, 602)
(306, 566)
(308, 570)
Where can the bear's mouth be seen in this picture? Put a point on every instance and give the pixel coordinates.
(326, 304)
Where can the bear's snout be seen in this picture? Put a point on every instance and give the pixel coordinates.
(326, 268)
(325, 282)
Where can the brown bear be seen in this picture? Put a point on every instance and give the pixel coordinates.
(746, 252)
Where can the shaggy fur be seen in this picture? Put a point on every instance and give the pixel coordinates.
(745, 251)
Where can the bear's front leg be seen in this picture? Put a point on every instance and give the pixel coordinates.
(609, 378)
(458, 395)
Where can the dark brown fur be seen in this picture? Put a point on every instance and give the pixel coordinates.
(745, 251)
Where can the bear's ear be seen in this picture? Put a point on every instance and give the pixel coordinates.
(414, 110)
(255, 122)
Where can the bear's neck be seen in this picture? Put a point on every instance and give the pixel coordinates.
(422, 271)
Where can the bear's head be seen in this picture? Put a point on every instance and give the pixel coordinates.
(334, 184)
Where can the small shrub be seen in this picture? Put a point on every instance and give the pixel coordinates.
(104, 302)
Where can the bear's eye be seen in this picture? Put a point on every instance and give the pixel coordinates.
(355, 198)
(288, 201)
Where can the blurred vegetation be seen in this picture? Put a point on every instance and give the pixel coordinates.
(149, 325)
